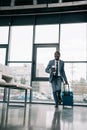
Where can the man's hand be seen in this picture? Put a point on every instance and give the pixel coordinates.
(52, 69)
(66, 82)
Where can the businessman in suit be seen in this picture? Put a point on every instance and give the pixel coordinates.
(57, 75)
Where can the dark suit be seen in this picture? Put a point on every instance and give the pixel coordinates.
(61, 69)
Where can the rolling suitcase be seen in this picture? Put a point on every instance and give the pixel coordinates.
(67, 97)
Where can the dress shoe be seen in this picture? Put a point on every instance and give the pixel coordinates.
(56, 106)
(59, 101)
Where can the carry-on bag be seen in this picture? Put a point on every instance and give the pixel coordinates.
(67, 97)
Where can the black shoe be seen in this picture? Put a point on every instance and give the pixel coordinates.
(56, 106)
(59, 101)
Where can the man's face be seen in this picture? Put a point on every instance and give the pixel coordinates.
(57, 55)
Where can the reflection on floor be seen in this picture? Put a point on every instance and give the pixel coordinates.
(42, 117)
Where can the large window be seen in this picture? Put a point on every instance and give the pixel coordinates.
(42, 92)
(4, 35)
(20, 58)
(47, 34)
(73, 47)
(2, 62)
(71, 39)
(42, 58)
(73, 42)
(21, 73)
(2, 55)
(21, 43)
(4, 32)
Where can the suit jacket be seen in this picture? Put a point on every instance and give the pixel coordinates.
(61, 69)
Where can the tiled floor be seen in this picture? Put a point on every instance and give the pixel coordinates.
(43, 117)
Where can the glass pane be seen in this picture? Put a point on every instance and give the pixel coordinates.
(77, 78)
(21, 43)
(43, 57)
(21, 73)
(2, 63)
(47, 34)
(19, 95)
(73, 42)
(4, 35)
(42, 92)
(2, 55)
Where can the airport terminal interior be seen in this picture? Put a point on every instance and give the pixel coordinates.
(30, 32)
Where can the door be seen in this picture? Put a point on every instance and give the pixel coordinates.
(42, 54)
(40, 84)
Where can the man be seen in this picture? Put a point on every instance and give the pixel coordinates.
(56, 70)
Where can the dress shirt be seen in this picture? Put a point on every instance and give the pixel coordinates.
(58, 67)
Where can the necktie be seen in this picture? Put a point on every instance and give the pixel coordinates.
(56, 68)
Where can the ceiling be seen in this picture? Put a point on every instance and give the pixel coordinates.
(34, 7)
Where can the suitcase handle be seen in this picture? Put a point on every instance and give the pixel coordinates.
(64, 86)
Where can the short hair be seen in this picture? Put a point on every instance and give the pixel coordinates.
(58, 52)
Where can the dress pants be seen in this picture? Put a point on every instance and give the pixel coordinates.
(56, 86)
(57, 97)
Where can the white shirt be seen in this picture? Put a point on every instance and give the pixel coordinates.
(58, 67)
